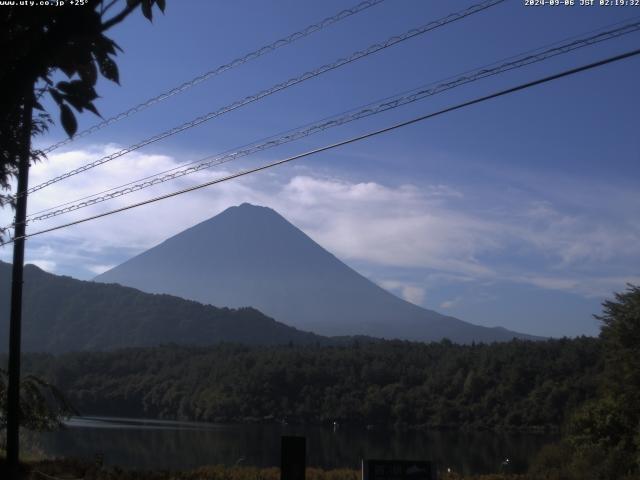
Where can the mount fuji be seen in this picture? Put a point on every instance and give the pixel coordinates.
(252, 256)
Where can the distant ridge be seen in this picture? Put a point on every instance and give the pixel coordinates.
(62, 314)
(251, 256)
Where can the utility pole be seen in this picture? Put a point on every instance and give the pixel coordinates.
(15, 325)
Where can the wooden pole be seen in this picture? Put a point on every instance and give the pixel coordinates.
(15, 325)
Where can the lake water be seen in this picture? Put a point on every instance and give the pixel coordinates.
(149, 444)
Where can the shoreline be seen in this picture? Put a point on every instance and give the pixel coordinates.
(142, 422)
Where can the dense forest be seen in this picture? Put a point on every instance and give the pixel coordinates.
(515, 385)
(588, 388)
(63, 314)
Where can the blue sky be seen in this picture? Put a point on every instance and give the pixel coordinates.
(520, 212)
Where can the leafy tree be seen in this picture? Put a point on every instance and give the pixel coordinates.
(602, 440)
(620, 334)
(42, 406)
(610, 424)
(367, 385)
(36, 43)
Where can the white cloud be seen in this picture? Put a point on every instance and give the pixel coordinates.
(592, 286)
(46, 265)
(414, 295)
(450, 303)
(410, 292)
(98, 269)
(575, 238)
(443, 191)
(133, 230)
(434, 227)
(388, 226)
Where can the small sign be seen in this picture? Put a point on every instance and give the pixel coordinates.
(293, 459)
(397, 470)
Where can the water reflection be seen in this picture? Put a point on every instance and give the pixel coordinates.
(180, 445)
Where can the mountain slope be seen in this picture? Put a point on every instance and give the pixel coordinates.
(64, 314)
(250, 255)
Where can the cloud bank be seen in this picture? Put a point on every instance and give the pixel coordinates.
(435, 228)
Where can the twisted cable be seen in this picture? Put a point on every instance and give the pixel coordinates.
(389, 103)
(218, 70)
(394, 40)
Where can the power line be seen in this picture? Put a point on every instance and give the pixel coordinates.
(276, 88)
(384, 105)
(391, 41)
(289, 39)
(396, 126)
(570, 43)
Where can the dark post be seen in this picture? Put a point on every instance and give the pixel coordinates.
(13, 390)
(293, 460)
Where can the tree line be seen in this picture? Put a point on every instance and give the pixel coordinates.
(518, 385)
(586, 388)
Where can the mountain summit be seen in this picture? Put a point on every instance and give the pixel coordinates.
(251, 256)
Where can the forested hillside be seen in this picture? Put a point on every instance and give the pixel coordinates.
(515, 385)
(64, 314)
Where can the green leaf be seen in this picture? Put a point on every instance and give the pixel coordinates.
(77, 93)
(68, 120)
(79, 89)
(146, 9)
(57, 97)
(103, 45)
(70, 56)
(161, 5)
(64, 86)
(88, 72)
(75, 102)
(68, 70)
(92, 108)
(109, 69)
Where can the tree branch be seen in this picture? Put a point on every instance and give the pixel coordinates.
(107, 7)
(121, 16)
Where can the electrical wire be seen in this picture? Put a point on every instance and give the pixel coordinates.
(391, 41)
(380, 106)
(598, 33)
(289, 39)
(396, 126)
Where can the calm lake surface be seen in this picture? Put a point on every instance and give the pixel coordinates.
(151, 444)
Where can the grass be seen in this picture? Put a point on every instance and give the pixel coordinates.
(68, 469)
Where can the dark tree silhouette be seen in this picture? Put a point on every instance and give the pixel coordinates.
(43, 407)
(514, 386)
(35, 43)
(621, 336)
(602, 437)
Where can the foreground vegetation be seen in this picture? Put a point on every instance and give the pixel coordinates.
(77, 469)
(602, 438)
(589, 387)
